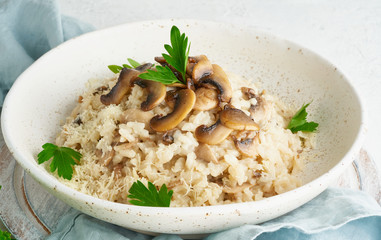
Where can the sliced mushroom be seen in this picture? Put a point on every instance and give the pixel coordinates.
(206, 99)
(123, 85)
(137, 115)
(105, 158)
(248, 93)
(185, 100)
(177, 85)
(258, 111)
(156, 93)
(248, 146)
(219, 80)
(199, 67)
(212, 135)
(238, 120)
(203, 152)
(118, 170)
(168, 138)
(170, 98)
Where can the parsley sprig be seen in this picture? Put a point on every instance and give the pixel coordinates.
(162, 74)
(4, 235)
(63, 159)
(299, 122)
(177, 57)
(178, 52)
(117, 68)
(142, 196)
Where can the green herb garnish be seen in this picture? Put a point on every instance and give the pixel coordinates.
(162, 74)
(4, 235)
(178, 52)
(63, 159)
(299, 122)
(142, 196)
(117, 68)
(177, 57)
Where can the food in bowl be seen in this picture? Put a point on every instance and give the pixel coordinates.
(211, 138)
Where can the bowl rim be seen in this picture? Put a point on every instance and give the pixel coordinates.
(58, 186)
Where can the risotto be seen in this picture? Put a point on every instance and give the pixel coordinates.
(230, 144)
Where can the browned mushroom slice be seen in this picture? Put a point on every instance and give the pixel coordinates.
(168, 138)
(212, 135)
(238, 120)
(198, 67)
(206, 99)
(248, 93)
(248, 146)
(203, 152)
(185, 100)
(219, 80)
(137, 115)
(123, 85)
(156, 93)
(178, 85)
(105, 158)
(170, 98)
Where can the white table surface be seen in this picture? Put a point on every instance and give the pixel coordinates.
(346, 32)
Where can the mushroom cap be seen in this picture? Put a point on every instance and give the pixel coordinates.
(204, 152)
(185, 100)
(125, 81)
(137, 115)
(156, 93)
(212, 135)
(219, 80)
(121, 88)
(201, 68)
(248, 146)
(206, 99)
(170, 98)
(238, 120)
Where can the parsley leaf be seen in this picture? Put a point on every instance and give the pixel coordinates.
(162, 74)
(63, 159)
(142, 196)
(133, 63)
(178, 52)
(117, 68)
(299, 123)
(5, 235)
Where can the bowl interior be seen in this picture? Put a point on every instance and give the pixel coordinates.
(45, 94)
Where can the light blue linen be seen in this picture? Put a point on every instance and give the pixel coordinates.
(29, 28)
(339, 214)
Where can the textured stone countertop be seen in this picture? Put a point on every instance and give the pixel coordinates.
(346, 32)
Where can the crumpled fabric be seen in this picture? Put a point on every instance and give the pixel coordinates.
(28, 29)
(337, 213)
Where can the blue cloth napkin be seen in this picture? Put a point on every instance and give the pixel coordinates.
(29, 28)
(337, 213)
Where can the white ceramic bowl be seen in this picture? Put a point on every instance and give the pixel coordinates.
(45, 93)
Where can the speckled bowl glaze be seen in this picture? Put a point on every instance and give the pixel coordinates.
(46, 92)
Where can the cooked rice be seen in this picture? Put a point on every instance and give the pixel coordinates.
(100, 133)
